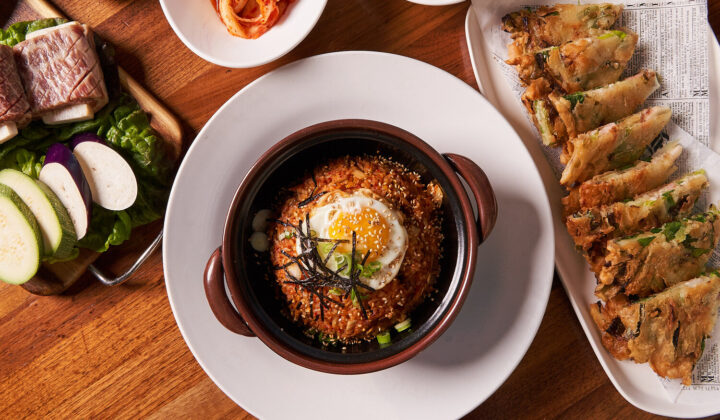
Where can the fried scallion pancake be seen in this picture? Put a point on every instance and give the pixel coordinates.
(619, 185)
(668, 329)
(546, 26)
(649, 262)
(543, 115)
(592, 228)
(584, 111)
(582, 64)
(559, 117)
(613, 145)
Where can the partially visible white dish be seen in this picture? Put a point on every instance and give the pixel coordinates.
(637, 383)
(514, 270)
(198, 26)
(436, 2)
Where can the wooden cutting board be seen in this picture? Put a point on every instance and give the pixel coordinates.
(56, 278)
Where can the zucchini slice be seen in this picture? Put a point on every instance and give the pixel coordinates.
(20, 240)
(59, 238)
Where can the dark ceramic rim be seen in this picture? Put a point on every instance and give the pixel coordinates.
(264, 333)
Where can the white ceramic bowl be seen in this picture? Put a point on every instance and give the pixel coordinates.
(198, 26)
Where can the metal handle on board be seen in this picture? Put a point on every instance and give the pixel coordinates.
(109, 281)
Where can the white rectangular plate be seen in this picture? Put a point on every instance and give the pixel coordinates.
(637, 383)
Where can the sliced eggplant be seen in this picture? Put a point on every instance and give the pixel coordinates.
(20, 239)
(112, 180)
(83, 137)
(59, 238)
(63, 174)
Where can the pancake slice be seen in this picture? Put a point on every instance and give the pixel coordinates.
(582, 64)
(662, 257)
(592, 228)
(613, 145)
(546, 26)
(667, 330)
(619, 185)
(585, 111)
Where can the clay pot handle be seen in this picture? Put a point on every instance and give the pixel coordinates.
(214, 282)
(481, 189)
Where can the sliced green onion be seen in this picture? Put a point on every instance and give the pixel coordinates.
(670, 229)
(343, 259)
(370, 268)
(619, 34)
(384, 338)
(669, 200)
(326, 339)
(402, 326)
(697, 252)
(645, 241)
(336, 291)
(575, 98)
(324, 248)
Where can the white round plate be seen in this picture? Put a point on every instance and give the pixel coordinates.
(197, 24)
(514, 269)
(436, 2)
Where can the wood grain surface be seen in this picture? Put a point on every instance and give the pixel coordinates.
(98, 352)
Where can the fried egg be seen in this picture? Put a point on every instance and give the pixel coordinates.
(378, 229)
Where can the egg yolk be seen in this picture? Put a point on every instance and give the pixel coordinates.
(372, 232)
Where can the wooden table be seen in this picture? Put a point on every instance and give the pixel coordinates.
(116, 352)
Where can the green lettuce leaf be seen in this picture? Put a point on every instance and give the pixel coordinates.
(106, 228)
(17, 32)
(23, 160)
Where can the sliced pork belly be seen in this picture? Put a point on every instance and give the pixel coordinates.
(14, 107)
(61, 73)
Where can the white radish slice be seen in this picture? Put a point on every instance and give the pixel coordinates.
(8, 130)
(63, 174)
(112, 181)
(20, 240)
(59, 238)
(68, 114)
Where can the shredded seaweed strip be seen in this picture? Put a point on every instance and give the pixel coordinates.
(315, 275)
(312, 197)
